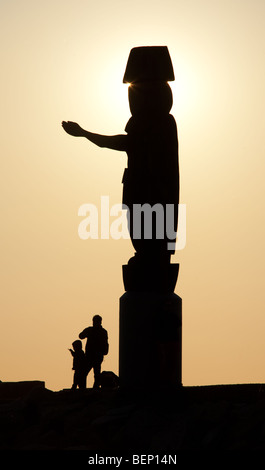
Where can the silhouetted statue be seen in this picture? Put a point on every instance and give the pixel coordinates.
(97, 347)
(152, 176)
(150, 313)
(79, 365)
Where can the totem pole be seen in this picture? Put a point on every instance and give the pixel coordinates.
(150, 312)
(150, 318)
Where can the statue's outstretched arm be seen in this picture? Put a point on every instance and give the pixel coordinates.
(114, 142)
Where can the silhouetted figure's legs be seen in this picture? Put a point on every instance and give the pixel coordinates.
(79, 380)
(95, 364)
(97, 372)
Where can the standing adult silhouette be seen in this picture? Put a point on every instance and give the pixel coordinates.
(97, 347)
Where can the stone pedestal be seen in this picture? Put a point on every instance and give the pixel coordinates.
(150, 340)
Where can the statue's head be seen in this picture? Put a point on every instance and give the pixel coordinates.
(150, 97)
(148, 71)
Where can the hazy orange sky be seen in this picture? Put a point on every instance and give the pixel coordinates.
(65, 60)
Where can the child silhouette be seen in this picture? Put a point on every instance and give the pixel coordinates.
(79, 365)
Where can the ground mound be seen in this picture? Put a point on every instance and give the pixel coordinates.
(116, 421)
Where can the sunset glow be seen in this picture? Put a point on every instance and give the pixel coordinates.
(65, 60)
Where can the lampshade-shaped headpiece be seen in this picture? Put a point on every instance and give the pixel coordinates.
(149, 63)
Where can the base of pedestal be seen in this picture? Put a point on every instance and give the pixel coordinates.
(150, 340)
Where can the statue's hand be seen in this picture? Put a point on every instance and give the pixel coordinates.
(73, 128)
